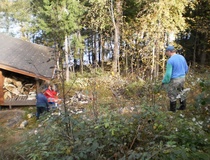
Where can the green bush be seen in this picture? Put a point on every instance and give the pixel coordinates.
(153, 134)
(134, 89)
(203, 98)
(148, 132)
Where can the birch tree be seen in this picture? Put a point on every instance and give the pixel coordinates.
(158, 19)
(116, 20)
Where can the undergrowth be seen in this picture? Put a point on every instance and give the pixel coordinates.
(103, 132)
(147, 133)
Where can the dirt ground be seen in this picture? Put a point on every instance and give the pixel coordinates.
(10, 132)
(11, 118)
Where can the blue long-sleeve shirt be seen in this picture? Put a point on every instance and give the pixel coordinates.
(41, 100)
(176, 67)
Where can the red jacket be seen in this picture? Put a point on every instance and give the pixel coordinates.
(51, 95)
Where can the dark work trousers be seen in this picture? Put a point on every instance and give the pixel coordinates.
(39, 111)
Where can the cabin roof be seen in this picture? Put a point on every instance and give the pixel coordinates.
(26, 58)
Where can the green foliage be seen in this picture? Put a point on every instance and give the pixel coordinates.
(203, 98)
(166, 13)
(153, 134)
(148, 131)
(97, 17)
(198, 38)
(134, 89)
(57, 18)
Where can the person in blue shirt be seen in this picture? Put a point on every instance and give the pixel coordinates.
(41, 103)
(174, 77)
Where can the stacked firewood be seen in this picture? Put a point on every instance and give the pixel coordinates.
(15, 89)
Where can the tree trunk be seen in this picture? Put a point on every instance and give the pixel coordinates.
(80, 53)
(116, 23)
(126, 63)
(58, 58)
(93, 47)
(89, 45)
(157, 68)
(153, 63)
(194, 51)
(203, 56)
(67, 58)
(132, 61)
(102, 51)
(81, 61)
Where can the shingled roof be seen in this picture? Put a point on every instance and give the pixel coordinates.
(26, 58)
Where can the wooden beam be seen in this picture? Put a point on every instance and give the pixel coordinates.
(1, 88)
(19, 103)
(8, 68)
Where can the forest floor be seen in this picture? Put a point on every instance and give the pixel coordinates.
(9, 131)
(10, 121)
(109, 90)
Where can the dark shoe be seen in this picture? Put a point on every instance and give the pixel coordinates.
(173, 106)
(182, 105)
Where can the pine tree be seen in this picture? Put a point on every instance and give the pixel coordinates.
(56, 20)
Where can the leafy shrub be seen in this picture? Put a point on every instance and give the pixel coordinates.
(203, 98)
(148, 132)
(134, 89)
(153, 134)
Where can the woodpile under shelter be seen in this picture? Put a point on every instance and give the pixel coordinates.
(24, 66)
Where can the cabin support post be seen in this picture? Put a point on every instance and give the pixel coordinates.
(1, 87)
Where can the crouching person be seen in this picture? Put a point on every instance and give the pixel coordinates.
(41, 103)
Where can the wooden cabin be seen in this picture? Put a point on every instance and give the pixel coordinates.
(24, 66)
